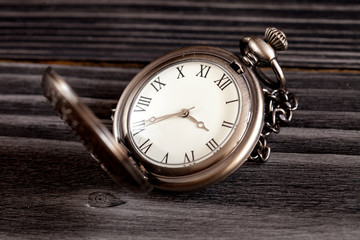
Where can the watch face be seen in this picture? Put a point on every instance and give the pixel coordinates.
(184, 113)
(191, 117)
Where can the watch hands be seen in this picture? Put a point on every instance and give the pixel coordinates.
(200, 124)
(183, 113)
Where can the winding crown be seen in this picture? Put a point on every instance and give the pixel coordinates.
(276, 39)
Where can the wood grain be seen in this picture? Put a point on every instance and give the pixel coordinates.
(310, 184)
(322, 34)
(52, 189)
(286, 193)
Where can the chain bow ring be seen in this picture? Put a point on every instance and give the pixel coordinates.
(279, 102)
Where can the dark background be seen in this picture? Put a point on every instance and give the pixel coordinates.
(51, 188)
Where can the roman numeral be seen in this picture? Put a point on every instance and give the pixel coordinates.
(157, 84)
(145, 146)
(212, 144)
(223, 82)
(180, 72)
(204, 70)
(138, 127)
(227, 124)
(236, 100)
(191, 159)
(143, 102)
(165, 158)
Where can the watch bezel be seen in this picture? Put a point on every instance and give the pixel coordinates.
(237, 149)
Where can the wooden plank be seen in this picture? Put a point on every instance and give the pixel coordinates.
(310, 185)
(25, 79)
(51, 187)
(323, 34)
(313, 89)
(289, 140)
(51, 127)
(70, 197)
(38, 105)
(327, 119)
(324, 104)
(312, 100)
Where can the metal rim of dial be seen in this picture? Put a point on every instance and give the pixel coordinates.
(238, 148)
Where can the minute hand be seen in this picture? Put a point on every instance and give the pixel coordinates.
(153, 120)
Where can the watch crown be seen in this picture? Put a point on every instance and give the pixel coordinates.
(276, 39)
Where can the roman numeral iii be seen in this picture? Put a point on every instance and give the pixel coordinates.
(232, 101)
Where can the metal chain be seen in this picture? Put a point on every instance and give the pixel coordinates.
(279, 107)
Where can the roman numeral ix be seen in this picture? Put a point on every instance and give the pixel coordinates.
(157, 84)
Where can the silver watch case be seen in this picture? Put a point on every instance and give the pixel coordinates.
(232, 155)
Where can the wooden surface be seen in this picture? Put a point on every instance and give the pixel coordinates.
(52, 189)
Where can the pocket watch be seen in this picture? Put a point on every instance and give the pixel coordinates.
(188, 119)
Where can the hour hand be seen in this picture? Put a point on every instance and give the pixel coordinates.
(199, 124)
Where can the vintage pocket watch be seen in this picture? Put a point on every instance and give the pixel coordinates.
(188, 119)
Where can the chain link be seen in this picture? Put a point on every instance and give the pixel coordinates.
(279, 107)
(279, 103)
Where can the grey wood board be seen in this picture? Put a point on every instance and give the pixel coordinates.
(322, 34)
(286, 198)
(51, 188)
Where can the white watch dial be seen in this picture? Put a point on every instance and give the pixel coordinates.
(184, 113)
